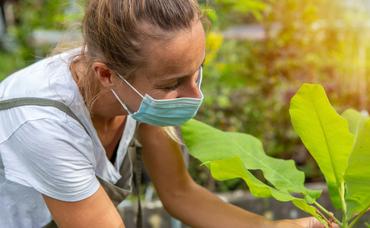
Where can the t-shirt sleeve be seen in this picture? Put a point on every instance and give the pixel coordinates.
(54, 157)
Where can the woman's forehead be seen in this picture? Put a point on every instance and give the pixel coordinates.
(180, 55)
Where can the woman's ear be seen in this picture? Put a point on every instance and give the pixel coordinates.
(103, 74)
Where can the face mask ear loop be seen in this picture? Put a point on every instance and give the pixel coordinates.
(200, 77)
(123, 79)
(120, 101)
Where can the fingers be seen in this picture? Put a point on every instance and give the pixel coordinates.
(309, 222)
(316, 224)
(333, 225)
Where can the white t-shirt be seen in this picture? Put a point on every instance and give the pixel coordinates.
(45, 151)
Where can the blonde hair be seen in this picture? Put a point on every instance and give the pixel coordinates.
(113, 34)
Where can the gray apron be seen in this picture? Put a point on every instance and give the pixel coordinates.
(132, 163)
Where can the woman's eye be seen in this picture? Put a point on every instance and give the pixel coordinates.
(171, 87)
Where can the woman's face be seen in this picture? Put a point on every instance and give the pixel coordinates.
(172, 68)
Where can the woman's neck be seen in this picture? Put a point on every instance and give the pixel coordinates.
(110, 132)
(104, 126)
(105, 114)
(101, 104)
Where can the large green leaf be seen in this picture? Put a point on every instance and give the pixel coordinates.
(357, 176)
(210, 145)
(324, 133)
(234, 168)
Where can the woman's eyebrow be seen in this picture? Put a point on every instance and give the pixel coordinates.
(182, 76)
(171, 79)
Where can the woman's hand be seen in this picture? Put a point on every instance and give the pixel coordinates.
(309, 222)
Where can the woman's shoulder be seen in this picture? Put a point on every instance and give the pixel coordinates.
(46, 121)
(47, 78)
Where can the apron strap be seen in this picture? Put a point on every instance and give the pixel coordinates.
(138, 167)
(27, 101)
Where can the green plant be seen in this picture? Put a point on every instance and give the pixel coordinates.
(339, 144)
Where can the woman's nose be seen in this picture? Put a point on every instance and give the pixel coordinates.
(192, 90)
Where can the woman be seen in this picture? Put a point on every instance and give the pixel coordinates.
(140, 63)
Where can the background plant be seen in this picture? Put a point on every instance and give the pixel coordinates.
(249, 83)
(18, 47)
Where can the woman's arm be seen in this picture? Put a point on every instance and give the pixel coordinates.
(181, 196)
(95, 211)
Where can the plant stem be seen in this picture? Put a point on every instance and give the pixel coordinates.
(328, 213)
(344, 206)
(354, 221)
(323, 217)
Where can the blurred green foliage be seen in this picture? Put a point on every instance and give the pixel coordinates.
(248, 83)
(19, 47)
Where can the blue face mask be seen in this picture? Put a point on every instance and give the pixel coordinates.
(167, 112)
